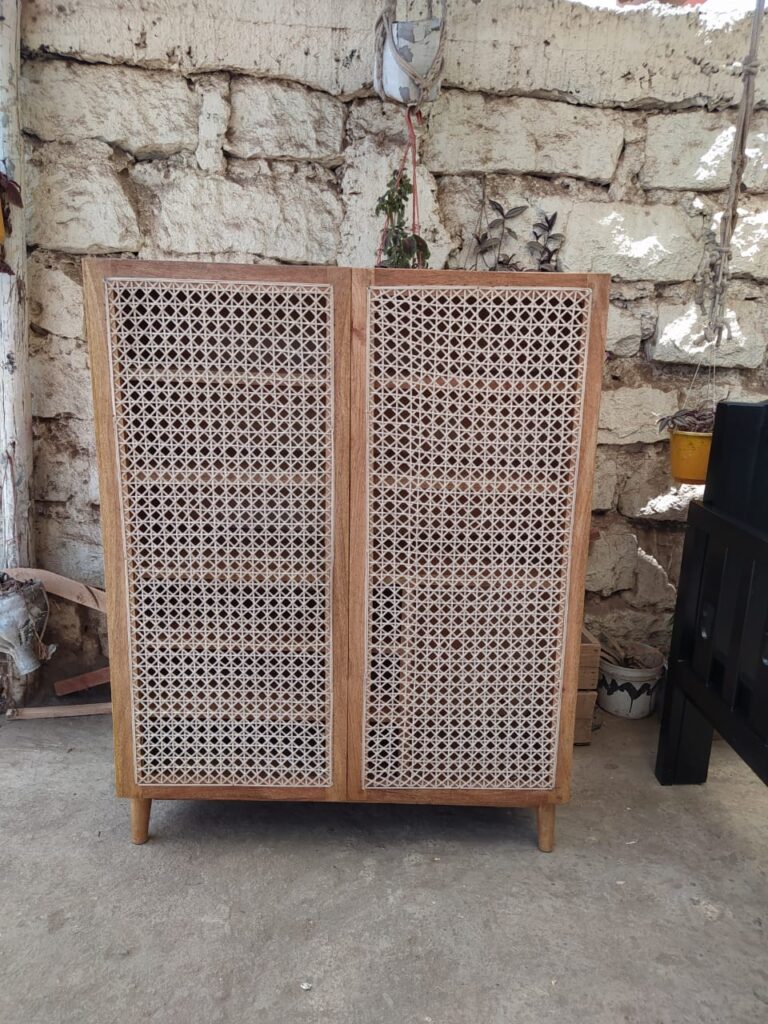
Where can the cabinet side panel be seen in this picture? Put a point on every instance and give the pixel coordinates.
(582, 521)
(224, 415)
(475, 402)
(94, 272)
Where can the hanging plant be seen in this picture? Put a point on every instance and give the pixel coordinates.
(690, 442)
(692, 421)
(690, 429)
(399, 247)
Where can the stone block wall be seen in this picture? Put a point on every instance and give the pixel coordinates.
(248, 132)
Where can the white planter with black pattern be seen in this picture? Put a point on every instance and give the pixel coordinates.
(631, 692)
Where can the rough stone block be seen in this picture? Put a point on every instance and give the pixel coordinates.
(739, 389)
(653, 243)
(615, 619)
(60, 377)
(461, 204)
(470, 132)
(597, 56)
(146, 113)
(632, 243)
(652, 588)
(624, 333)
(213, 91)
(68, 541)
(750, 241)
(372, 119)
(75, 201)
(325, 44)
(65, 461)
(671, 505)
(612, 558)
(680, 335)
(665, 545)
(692, 151)
(606, 481)
(285, 212)
(97, 628)
(629, 415)
(271, 119)
(65, 627)
(55, 297)
(648, 491)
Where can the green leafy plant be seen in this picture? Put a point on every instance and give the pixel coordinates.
(695, 421)
(399, 248)
(489, 243)
(546, 245)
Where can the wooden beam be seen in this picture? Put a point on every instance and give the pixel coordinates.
(85, 681)
(15, 395)
(63, 586)
(15, 405)
(61, 711)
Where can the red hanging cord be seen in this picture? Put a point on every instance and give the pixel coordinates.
(415, 227)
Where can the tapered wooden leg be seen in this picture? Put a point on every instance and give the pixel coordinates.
(545, 827)
(140, 810)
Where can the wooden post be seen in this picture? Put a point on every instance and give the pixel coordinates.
(685, 739)
(545, 827)
(15, 405)
(140, 811)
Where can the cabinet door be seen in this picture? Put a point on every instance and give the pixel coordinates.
(221, 403)
(475, 400)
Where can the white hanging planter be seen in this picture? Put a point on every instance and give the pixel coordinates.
(410, 67)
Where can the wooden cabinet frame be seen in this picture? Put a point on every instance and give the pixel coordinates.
(350, 304)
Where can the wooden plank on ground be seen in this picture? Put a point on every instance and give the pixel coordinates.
(585, 709)
(589, 661)
(73, 684)
(61, 711)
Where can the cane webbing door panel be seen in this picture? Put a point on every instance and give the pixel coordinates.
(216, 401)
(478, 396)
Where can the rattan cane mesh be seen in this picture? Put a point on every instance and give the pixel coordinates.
(474, 411)
(223, 405)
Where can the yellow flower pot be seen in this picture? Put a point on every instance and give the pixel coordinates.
(689, 456)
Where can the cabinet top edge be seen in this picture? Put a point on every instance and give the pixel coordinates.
(106, 267)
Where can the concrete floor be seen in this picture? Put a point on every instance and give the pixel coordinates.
(652, 910)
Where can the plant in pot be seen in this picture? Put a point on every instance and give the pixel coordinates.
(690, 429)
(630, 676)
(690, 441)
